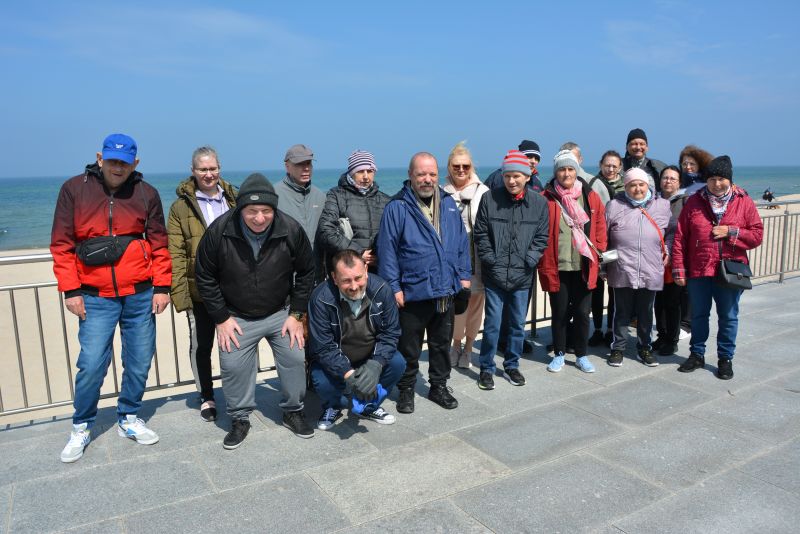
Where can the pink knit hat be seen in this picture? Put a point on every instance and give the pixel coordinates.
(631, 175)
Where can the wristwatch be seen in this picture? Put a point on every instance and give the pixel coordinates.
(298, 315)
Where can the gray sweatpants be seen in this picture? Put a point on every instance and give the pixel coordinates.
(239, 367)
(628, 303)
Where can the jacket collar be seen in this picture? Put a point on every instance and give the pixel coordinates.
(295, 187)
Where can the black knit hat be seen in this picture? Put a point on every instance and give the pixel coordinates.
(530, 148)
(720, 166)
(636, 133)
(256, 189)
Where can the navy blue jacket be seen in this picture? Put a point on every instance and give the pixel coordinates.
(411, 256)
(325, 332)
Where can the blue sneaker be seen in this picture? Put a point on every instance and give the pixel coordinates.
(132, 427)
(584, 364)
(556, 363)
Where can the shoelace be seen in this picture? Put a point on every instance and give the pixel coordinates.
(136, 426)
(379, 412)
(77, 438)
(330, 414)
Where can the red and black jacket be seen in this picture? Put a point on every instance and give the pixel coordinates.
(87, 209)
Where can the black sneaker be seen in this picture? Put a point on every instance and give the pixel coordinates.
(597, 339)
(440, 394)
(236, 436)
(667, 349)
(647, 358)
(486, 380)
(405, 402)
(296, 422)
(514, 376)
(615, 358)
(694, 361)
(527, 346)
(724, 369)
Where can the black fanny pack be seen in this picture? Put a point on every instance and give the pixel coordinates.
(104, 250)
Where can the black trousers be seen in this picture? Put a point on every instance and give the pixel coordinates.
(597, 306)
(417, 319)
(629, 303)
(668, 312)
(202, 331)
(573, 298)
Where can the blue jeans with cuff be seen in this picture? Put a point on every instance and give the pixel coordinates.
(516, 305)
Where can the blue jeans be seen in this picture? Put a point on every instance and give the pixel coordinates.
(331, 388)
(515, 302)
(134, 314)
(701, 291)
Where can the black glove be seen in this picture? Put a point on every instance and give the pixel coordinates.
(365, 380)
(461, 300)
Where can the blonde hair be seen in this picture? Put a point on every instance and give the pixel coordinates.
(460, 150)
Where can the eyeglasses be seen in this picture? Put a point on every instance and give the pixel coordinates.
(462, 167)
(212, 170)
(610, 166)
(669, 179)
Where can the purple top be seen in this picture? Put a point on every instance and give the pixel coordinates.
(211, 207)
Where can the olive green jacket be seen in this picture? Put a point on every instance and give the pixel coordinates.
(185, 226)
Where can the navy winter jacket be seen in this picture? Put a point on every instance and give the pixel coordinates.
(411, 256)
(325, 331)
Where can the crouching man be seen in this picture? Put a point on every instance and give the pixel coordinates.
(354, 328)
(249, 263)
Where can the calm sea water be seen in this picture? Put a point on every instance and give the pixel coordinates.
(27, 204)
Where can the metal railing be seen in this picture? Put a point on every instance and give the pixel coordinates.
(38, 366)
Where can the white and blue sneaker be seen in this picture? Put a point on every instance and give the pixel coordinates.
(78, 440)
(556, 363)
(584, 364)
(132, 427)
(379, 415)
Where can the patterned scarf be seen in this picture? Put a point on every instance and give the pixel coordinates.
(719, 204)
(639, 203)
(575, 217)
(361, 190)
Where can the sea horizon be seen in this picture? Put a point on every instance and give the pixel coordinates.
(26, 208)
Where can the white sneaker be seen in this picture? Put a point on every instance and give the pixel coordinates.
(78, 440)
(379, 415)
(132, 427)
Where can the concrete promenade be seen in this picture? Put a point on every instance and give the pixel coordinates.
(630, 449)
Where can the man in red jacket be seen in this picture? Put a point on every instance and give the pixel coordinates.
(110, 258)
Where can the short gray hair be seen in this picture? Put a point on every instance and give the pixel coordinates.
(569, 145)
(204, 151)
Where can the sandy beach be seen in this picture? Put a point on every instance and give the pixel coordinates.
(42, 337)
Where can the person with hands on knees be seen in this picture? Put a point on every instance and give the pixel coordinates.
(353, 333)
(110, 258)
(250, 263)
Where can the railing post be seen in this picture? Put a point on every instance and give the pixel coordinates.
(784, 243)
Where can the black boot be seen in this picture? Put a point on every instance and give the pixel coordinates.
(441, 396)
(695, 361)
(405, 402)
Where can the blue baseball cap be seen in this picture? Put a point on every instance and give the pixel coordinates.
(121, 147)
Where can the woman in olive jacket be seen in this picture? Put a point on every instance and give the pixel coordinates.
(202, 198)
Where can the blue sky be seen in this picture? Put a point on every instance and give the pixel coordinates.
(252, 78)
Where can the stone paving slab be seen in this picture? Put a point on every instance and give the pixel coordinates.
(111, 526)
(522, 439)
(573, 494)
(677, 452)
(275, 453)
(105, 492)
(731, 503)
(639, 402)
(747, 374)
(765, 412)
(290, 504)
(778, 466)
(39, 456)
(442, 517)
(370, 486)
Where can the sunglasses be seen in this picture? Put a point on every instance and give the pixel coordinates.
(462, 167)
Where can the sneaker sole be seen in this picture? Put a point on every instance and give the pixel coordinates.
(379, 421)
(485, 387)
(70, 460)
(231, 447)
(513, 383)
(592, 370)
(615, 364)
(124, 434)
(304, 436)
(555, 370)
(652, 364)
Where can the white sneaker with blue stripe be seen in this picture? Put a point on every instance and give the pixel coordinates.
(78, 440)
(132, 427)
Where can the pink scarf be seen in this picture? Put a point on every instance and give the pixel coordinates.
(575, 217)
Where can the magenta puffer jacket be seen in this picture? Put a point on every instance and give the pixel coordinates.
(640, 264)
(696, 253)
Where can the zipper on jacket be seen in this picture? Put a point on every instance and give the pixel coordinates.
(111, 232)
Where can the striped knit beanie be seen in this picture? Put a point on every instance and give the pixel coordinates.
(516, 161)
(360, 160)
(530, 148)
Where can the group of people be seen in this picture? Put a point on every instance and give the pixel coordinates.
(346, 286)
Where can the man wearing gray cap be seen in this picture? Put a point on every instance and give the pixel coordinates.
(301, 200)
(250, 263)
